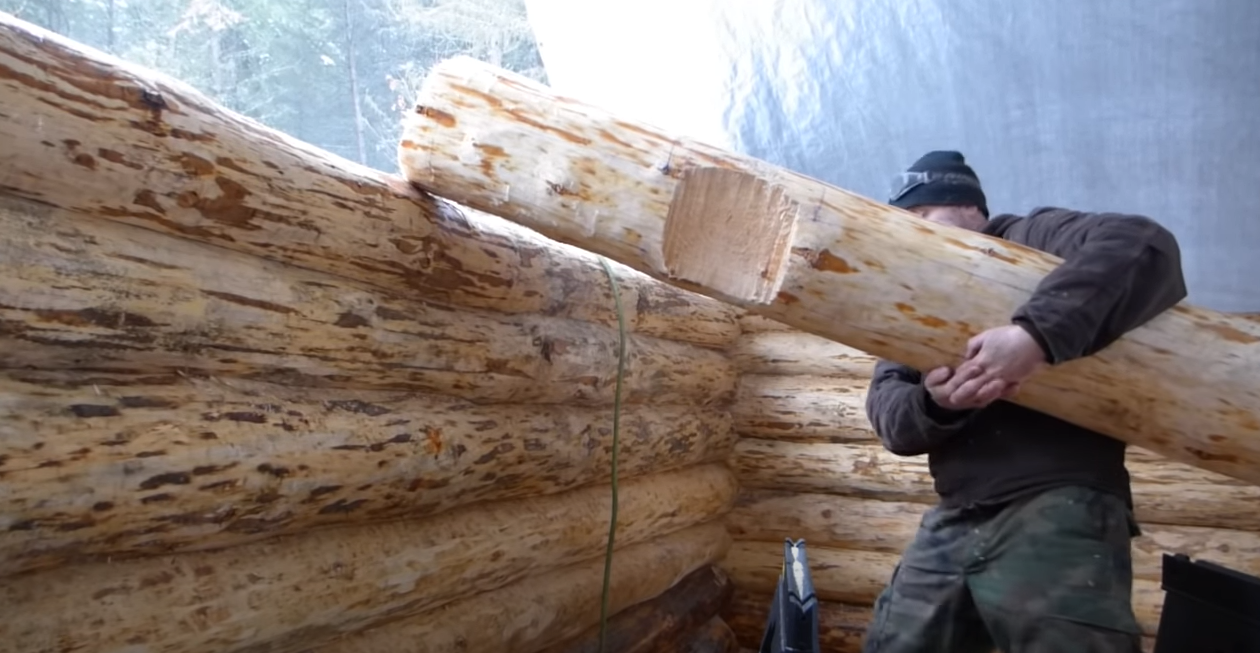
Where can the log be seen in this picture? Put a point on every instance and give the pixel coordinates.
(137, 470)
(802, 408)
(889, 526)
(1163, 492)
(97, 296)
(753, 323)
(714, 636)
(841, 627)
(796, 353)
(304, 590)
(823, 260)
(665, 621)
(552, 605)
(88, 132)
(857, 577)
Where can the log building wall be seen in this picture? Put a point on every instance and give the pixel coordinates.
(257, 398)
(810, 467)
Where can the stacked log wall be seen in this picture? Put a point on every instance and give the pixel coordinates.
(255, 397)
(810, 467)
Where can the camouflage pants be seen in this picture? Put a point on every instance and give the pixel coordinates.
(1051, 573)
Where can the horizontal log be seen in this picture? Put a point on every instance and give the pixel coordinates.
(796, 353)
(1163, 492)
(857, 577)
(663, 621)
(802, 408)
(97, 296)
(889, 526)
(555, 604)
(89, 132)
(753, 323)
(841, 627)
(307, 589)
(823, 260)
(101, 471)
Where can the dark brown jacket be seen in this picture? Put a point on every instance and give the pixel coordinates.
(1119, 271)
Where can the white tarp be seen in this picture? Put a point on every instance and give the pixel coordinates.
(1143, 107)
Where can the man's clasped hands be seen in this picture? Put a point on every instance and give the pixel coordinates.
(995, 365)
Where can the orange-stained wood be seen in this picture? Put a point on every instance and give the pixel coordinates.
(848, 268)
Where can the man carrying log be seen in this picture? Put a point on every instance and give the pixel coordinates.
(1028, 549)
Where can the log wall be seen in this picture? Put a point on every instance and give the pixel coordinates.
(810, 467)
(256, 398)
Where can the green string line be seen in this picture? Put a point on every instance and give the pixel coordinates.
(612, 526)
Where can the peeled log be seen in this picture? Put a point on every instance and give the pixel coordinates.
(85, 131)
(134, 470)
(103, 297)
(1163, 492)
(821, 259)
(889, 526)
(857, 577)
(841, 627)
(526, 616)
(304, 590)
(802, 408)
(662, 622)
(796, 353)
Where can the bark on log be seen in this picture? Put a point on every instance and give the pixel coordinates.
(665, 620)
(889, 526)
(819, 258)
(802, 408)
(553, 605)
(841, 627)
(1163, 492)
(97, 296)
(85, 131)
(796, 353)
(857, 577)
(300, 591)
(137, 470)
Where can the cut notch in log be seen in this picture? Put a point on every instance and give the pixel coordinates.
(730, 232)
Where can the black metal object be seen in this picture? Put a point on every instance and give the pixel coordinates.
(1208, 608)
(792, 626)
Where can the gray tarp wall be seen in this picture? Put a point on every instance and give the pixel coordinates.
(1143, 107)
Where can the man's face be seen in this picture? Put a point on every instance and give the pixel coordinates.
(966, 217)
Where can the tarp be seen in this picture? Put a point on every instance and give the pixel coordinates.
(1138, 107)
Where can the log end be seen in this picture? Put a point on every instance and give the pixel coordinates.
(731, 232)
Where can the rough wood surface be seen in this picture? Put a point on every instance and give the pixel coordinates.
(99, 296)
(1163, 492)
(889, 526)
(664, 621)
(796, 353)
(826, 261)
(802, 408)
(841, 627)
(857, 577)
(99, 470)
(713, 636)
(531, 614)
(299, 591)
(86, 131)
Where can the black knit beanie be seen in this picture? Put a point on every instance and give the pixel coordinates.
(939, 178)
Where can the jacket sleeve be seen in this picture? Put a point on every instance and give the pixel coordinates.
(904, 416)
(1119, 272)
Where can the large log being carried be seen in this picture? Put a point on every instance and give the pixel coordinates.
(819, 258)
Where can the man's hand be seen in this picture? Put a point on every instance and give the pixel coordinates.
(997, 362)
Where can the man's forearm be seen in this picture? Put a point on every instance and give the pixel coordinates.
(904, 416)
